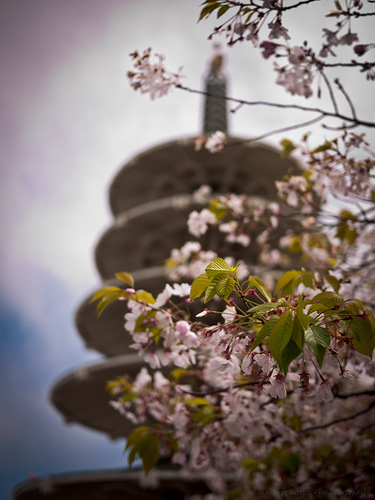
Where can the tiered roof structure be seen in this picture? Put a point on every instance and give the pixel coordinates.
(149, 221)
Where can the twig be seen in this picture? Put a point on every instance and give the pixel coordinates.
(278, 105)
(337, 421)
(340, 87)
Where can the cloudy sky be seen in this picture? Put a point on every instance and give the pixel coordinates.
(68, 122)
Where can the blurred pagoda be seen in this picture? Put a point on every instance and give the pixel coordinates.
(149, 220)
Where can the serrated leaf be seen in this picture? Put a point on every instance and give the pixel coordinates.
(264, 332)
(318, 308)
(211, 290)
(317, 340)
(218, 265)
(257, 283)
(287, 281)
(199, 286)
(355, 305)
(104, 291)
(262, 309)
(280, 337)
(126, 277)
(327, 299)
(225, 287)
(144, 296)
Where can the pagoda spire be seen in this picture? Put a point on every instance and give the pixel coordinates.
(215, 108)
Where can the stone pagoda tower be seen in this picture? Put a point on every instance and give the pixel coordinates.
(149, 220)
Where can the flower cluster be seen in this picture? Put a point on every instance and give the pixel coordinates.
(150, 75)
(246, 22)
(214, 143)
(213, 390)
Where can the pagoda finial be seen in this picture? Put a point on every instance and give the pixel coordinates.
(215, 108)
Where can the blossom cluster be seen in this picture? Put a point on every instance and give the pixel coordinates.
(151, 76)
(303, 63)
(213, 390)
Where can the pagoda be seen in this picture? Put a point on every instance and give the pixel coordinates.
(149, 220)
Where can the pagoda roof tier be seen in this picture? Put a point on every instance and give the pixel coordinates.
(162, 483)
(177, 168)
(144, 236)
(82, 398)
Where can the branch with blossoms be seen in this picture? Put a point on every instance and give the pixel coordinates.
(251, 369)
(267, 346)
(303, 66)
(304, 344)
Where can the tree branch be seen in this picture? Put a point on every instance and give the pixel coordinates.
(324, 113)
(339, 420)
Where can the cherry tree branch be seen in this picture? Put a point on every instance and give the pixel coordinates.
(339, 420)
(243, 102)
(284, 129)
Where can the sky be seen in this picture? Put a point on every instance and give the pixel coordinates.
(68, 122)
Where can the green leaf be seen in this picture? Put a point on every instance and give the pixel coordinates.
(178, 373)
(308, 279)
(345, 232)
(288, 146)
(104, 291)
(225, 287)
(204, 415)
(327, 299)
(264, 332)
(289, 462)
(222, 10)
(108, 299)
(136, 435)
(280, 336)
(126, 277)
(333, 282)
(149, 452)
(208, 9)
(324, 147)
(304, 319)
(257, 283)
(262, 309)
(198, 401)
(199, 286)
(144, 296)
(143, 443)
(287, 282)
(317, 340)
(355, 305)
(218, 208)
(364, 336)
(218, 265)
(211, 290)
